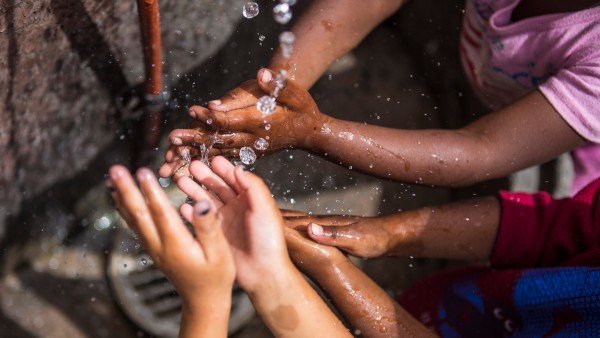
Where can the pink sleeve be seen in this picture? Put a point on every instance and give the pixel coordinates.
(538, 231)
(575, 93)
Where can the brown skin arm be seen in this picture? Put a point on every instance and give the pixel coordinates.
(363, 303)
(460, 230)
(526, 133)
(325, 31)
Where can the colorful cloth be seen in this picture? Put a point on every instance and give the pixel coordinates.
(544, 278)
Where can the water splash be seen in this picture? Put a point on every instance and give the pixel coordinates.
(261, 144)
(286, 43)
(250, 10)
(266, 104)
(247, 155)
(282, 13)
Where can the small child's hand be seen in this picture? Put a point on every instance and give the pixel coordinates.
(359, 236)
(309, 256)
(295, 118)
(248, 215)
(200, 268)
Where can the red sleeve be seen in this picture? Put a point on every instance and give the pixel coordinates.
(538, 231)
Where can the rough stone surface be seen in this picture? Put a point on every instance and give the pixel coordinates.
(63, 64)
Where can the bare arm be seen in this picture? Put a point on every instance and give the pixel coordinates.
(363, 303)
(253, 227)
(526, 133)
(327, 30)
(459, 230)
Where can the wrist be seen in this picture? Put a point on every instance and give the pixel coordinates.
(317, 133)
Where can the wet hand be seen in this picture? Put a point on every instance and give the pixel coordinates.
(360, 236)
(248, 216)
(201, 268)
(295, 118)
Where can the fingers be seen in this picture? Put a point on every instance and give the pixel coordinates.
(259, 195)
(243, 96)
(246, 119)
(208, 232)
(132, 206)
(196, 192)
(169, 226)
(212, 181)
(292, 213)
(291, 95)
(225, 170)
(344, 237)
(192, 137)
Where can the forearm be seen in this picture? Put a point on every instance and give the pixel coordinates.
(364, 304)
(460, 230)
(327, 30)
(526, 133)
(205, 318)
(432, 157)
(291, 308)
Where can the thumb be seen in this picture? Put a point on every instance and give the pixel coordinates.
(344, 237)
(208, 233)
(291, 95)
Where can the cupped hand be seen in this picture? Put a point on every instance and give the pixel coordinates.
(247, 214)
(240, 123)
(359, 236)
(201, 268)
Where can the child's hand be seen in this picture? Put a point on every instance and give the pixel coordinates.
(200, 268)
(309, 256)
(295, 118)
(248, 216)
(359, 236)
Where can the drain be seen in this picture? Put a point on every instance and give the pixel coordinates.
(147, 297)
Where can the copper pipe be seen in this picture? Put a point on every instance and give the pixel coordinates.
(150, 31)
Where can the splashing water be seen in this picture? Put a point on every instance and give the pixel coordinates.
(185, 155)
(286, 43)
(250, 10)
(282, 13)
(261, 144)
(266, 105)
(247, 155)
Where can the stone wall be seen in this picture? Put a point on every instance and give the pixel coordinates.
(62, 65)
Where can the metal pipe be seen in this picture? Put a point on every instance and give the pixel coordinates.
(149, 17)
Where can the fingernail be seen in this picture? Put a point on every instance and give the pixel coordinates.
(192, 114)
(266, 76)
(144, 174)
(316, 229)
(202, 208)
(176, 141)
(215, 102)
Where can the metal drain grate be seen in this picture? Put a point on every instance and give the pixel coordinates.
(148, 298)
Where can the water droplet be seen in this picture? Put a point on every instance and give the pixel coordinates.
(261, 38)
(266, 105)
(261, 144)
(209, 121)
(286, 43)
(144, 261)
(164, 182)
(282, 13)
(250, 10)
(247, 155)
(267, 126)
